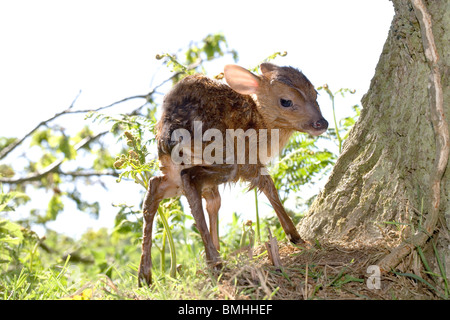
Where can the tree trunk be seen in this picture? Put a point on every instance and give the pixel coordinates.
(388, 164)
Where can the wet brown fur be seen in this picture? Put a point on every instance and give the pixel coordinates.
(218, 106)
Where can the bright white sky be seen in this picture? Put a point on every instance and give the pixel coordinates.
(50, 50)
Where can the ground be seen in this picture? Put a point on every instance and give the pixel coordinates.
(325, 271)
(330, 272)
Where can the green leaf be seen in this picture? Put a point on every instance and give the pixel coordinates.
(212, 45)
(104, 160)
(299, 163)
(6, 198)
(10, 232)
(6, 171)
(92, 208)
(39, 136)
(4, 142)
(66, 148)
(55, 206)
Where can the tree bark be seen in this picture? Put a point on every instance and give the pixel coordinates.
(388, 164)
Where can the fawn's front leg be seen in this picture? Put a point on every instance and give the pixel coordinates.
(266, 185)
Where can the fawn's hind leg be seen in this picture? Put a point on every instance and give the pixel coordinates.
(159, 188)
(194, 180)
(212, 198)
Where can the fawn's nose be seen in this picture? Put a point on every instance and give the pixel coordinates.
(322, 124)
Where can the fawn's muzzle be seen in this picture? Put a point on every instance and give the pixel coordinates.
(318, 127)
(322, 124)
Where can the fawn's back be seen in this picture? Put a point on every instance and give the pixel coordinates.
(280, 102)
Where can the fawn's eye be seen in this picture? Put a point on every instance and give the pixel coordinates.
(286, 103)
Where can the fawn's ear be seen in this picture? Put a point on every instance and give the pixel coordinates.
(267, 67)
(240, 79)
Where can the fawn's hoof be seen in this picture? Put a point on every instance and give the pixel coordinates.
(215, 263)
(218, 265)
(144, 276)
(296, 240)
(144, 280)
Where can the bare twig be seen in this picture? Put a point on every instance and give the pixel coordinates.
(5, 151)
(305, 290)
(272, 250)
(52, 167)
(263, 282)
(440, 127)
(112, 104)
(77, 174)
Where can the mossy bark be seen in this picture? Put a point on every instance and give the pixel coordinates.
(384, 171)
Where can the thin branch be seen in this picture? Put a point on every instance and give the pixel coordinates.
(5, 151)
(52, 167)
(55, 165)
(441, 132)
(77, 174)
(112, 104)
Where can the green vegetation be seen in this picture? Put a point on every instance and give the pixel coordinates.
(102, 264)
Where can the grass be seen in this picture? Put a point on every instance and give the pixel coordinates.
(103, 265)
(45, 284)
(330, 272)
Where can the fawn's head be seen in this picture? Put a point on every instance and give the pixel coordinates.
(286, 98)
